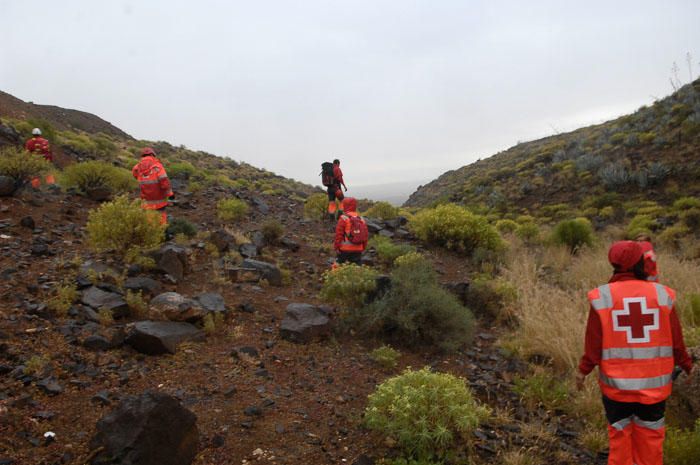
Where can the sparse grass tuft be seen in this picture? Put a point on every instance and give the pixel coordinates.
(386, 357)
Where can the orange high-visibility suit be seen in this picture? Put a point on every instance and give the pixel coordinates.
(153, 182)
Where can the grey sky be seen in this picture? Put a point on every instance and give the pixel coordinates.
(399, 90)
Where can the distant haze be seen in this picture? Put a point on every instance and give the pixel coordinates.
(395, 193)
(398, 90)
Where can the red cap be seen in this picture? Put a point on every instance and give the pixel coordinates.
(349, 204)
(623, 255)
(147, 151)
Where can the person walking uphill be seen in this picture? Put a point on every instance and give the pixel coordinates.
(332, 178)
(37, 145)
(153, 182)
(634, 336)
(351, 234)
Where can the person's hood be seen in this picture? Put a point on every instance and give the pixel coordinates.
(624, 255)
(349, 204)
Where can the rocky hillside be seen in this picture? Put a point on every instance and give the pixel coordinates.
(651, 154)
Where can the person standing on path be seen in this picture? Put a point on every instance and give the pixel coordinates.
(332, 177)
(635, 338)
(351, 234)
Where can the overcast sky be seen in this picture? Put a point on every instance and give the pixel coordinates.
(398, 90)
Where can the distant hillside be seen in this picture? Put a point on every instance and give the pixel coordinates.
(651, 154)
(60, 118)
(79, 136)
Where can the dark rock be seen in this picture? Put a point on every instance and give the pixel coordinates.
(211, 302)
(175, 307)
(246, 307)
(172, 259)
(152, 429)
(27, 222)
(248, 250)
(386, 233)
(147, 286)
(304, 322)
(160, 337)
(97, 343)
(258, 238)
(92, 267)
(270, 272)
(253, 411)
(98, 299)
(218, 441)
(101, 398)
(222, 240)
(459, 289)
(373, 226)
(261, 205)
(289, 244)
(39, 249)
(7, 186)
(49, 386)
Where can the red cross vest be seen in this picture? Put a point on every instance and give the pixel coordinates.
(637, 347)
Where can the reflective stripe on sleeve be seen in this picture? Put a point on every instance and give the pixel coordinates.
(655, 425)
(641, 353)
(605, 299)
(153, 202)
(155, 181)
(663, 297)
(636, 384)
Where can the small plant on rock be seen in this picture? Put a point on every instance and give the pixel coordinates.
(64, 296)
(427, 414)
(213, 322)
(137, 304)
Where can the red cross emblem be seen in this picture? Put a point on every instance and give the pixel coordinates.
(636, 319)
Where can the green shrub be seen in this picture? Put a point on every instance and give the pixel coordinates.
(528, 232)
(272, 231)
(348, 285)
(490, 296)
(181, 226)
(506, 226)
(427, 414)
(382, 210)
(691, 218)
(640, 224)
(673, 235)
(182, 170)
(573, 233)
(387, 251)
(386, 357)
(456, 228)
(416, 310)
(316, 207)
(98, 175)
(21, 165)
(685, 203)
(124, 227)
(64, 296)
(231, 209)
(542, 387)
(682, 447)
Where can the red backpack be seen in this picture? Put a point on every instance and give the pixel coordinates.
(327, 177)
(356, 231)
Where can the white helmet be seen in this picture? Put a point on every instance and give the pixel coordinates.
(36, 131)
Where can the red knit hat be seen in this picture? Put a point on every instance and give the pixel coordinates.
(147, 151)
(623, 255)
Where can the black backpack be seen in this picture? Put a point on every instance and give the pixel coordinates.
(327, 177)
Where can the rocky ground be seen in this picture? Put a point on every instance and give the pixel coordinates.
(263, 390)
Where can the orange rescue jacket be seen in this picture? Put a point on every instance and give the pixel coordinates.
(153, 182)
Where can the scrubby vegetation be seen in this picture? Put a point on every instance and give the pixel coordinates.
(456, 228)
(573, 233)
(387, 250)
(682, 447)
(125, 228)
(316, 206)
(348, 285)
(182, 226)
(429, 415)
(416, 311)
(386, 357)
(272, 231)
(230, 210)
(382, 210)
(92, 175)
(21, 166)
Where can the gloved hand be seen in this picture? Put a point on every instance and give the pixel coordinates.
(346, 189)
(171, 197)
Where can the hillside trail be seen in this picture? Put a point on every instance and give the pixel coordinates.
(273, 402)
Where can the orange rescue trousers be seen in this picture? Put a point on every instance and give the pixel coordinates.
(48, 180)
(636, 432)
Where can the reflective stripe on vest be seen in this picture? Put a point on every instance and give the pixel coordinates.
(605, 299)
(662, 295)
(149, 181)
(642, 353)
(636, 384)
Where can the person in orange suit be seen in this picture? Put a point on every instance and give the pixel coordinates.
(635, 338)
(650, 266)
(41, 147)
(153, 182)
(351, 234)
